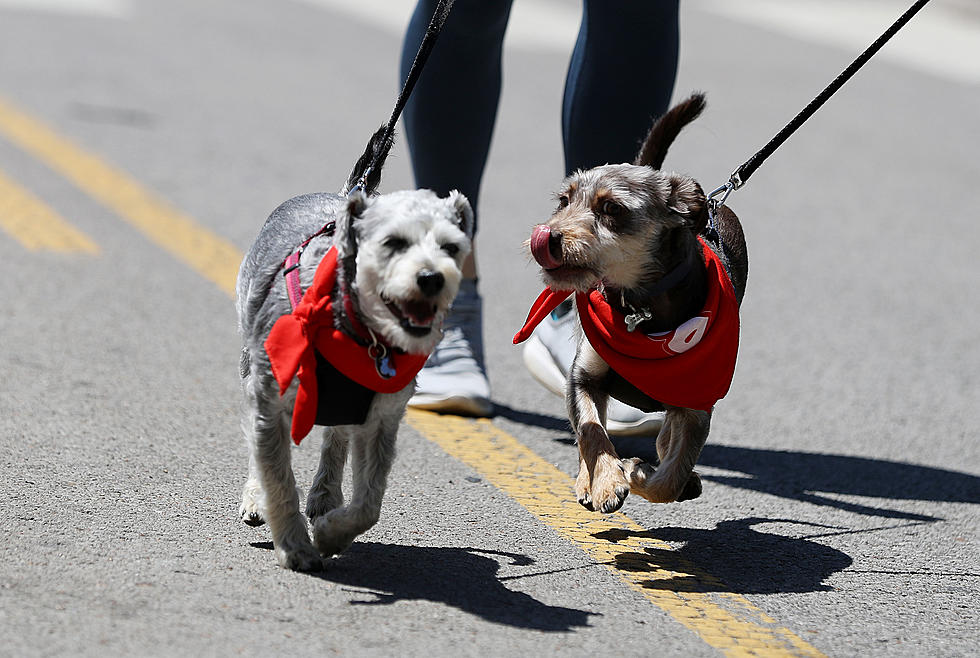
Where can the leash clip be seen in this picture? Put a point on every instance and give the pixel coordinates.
(361, 184)
(734, 182)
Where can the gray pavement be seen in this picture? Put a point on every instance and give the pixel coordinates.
(842, 475)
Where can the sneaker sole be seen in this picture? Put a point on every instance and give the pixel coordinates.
(538, 361)
(649, 426)
(453, 404)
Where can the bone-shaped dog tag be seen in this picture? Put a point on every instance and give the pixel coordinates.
(385, 369)
(634, 319)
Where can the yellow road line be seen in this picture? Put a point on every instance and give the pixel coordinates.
(213, 257)
(699, 601)
(36, 225)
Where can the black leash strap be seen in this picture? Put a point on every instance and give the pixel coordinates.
(438, 20)
(741, 175)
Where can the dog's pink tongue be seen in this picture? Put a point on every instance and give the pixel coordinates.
(541, 248)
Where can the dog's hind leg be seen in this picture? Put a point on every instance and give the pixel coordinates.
(679, 444)
(266, 428)
(372, 454)
(326, 492)
(601, 484)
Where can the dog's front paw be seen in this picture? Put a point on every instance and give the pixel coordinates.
(249, 511)
(336, 530)
(293, 548)
(637, 471)
(609, 487)
(300, 558)
(250, 517)
(658, 486)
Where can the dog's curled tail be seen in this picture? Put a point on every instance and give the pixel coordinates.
(666, 129)
(367, 172)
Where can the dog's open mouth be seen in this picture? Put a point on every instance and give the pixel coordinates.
(415, 316)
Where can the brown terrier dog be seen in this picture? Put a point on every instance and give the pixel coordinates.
(658, 276)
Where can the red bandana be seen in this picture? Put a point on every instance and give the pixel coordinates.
(691, 366)
(291, 344)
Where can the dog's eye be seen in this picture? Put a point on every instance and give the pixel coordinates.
(396, 244)
(563, 201)
(451, 248)
(611, 208)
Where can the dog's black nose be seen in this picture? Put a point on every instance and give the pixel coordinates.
(430, 283)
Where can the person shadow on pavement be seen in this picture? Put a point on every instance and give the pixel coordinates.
(463, 578)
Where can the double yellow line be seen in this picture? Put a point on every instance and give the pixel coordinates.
(722, 619)
(213, 257)
(35, 225)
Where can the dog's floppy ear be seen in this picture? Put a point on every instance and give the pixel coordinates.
(687, 199)
(346, 237)
(464, 213)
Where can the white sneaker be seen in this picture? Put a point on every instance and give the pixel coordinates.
(454, 378)
(548, 355)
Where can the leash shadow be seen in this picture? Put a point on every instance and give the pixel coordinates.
(733, 557)
(463, 578)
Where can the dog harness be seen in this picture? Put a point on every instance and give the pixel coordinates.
(307, 344)
(691, 366)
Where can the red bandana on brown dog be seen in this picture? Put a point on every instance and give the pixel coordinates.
(691, 366)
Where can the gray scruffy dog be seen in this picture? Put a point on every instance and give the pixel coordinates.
(399, 261)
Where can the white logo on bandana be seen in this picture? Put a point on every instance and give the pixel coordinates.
(685, 336)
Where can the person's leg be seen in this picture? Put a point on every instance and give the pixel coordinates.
(619, 80)
(448, 124)
(450, 117)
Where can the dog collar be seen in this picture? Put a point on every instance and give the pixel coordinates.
(295, 339)
(294, 291)
(669, 281)
(691, 366)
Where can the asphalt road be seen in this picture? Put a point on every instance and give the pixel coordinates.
(142, 144)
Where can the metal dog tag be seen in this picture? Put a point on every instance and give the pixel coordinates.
(634, 319)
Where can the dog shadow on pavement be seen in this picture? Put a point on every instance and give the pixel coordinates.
(733, 557)
(809, 477)
(463, 578)
(803, 476)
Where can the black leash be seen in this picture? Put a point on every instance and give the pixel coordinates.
(370, 163)
(741, 175)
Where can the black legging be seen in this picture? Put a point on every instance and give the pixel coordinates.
(620, 78)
